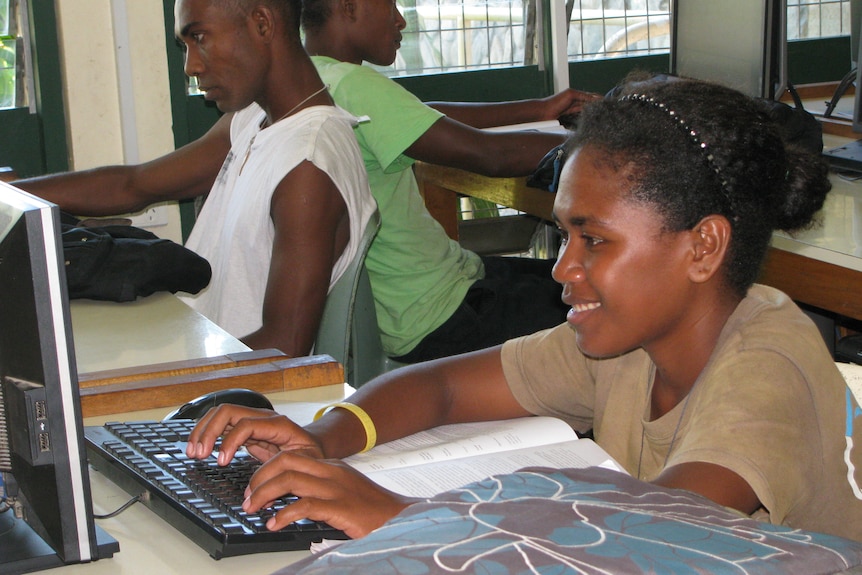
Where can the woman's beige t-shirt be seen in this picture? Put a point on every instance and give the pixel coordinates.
(770, 405)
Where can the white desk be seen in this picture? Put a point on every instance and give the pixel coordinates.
(837, 239)
(155, 329)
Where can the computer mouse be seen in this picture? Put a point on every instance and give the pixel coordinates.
(197, 407)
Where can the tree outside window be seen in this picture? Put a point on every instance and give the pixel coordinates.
(12, 85)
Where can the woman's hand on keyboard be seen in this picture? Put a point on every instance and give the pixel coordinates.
(328, 490)
(263, 432)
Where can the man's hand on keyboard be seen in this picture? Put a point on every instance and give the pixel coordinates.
(264, 434)
(328, 490)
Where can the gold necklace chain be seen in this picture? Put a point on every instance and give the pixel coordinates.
(291, 111)
(298, 106)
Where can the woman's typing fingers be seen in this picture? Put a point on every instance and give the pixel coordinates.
(328, 490)
(263, 432)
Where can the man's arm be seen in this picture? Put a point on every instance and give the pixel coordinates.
(497, 154)
(486, 115)
(312, 229)
(184, 173)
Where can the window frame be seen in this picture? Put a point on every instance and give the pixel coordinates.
(809, 61)
(35, 143)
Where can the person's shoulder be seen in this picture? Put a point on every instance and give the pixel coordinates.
(331, 120)
(346, 80)
(767, 304)
(767, 321)
(336, 71)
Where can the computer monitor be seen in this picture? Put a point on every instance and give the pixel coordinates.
(47, 519)
(856, 59)
(739, 43)
(855, 30)
(848, 157)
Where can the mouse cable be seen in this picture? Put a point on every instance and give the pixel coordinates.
(122, 508)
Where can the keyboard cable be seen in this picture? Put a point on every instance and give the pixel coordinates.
(122, 508)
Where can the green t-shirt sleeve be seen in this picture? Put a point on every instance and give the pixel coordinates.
(397, 118)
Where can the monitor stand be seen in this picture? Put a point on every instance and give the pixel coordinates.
(846, 158)
(22, 550)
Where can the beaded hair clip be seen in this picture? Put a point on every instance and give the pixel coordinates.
(689, 131)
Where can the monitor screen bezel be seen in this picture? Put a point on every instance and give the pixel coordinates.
(72, 535)
(768, 60)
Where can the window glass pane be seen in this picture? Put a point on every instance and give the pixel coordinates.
(7, 73)
(449, 35)
(817, 19)
(4, 17)
(445, 35)
(457, 35)
(12, 89)
(610, 28)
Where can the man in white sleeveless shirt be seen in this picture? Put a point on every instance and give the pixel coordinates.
(287, 193)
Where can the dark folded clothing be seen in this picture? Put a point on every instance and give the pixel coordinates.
(120, 263)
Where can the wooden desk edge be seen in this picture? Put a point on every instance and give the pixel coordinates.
(820, 284)
(173, 384)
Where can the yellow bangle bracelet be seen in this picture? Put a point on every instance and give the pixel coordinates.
(364, 419)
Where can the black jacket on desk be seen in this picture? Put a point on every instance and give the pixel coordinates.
(120, 263)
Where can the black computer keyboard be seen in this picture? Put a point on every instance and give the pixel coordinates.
(197, 497)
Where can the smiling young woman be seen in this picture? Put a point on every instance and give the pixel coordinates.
(689, 374)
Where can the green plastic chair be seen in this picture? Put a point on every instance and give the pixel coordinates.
(368, 360)
(348, 328)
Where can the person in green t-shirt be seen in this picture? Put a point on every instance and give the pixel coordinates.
(433, 297)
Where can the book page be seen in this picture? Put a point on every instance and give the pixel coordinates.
(430, 479)
(460, 440)
(853, 376)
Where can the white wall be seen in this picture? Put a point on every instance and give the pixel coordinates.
(96, 100)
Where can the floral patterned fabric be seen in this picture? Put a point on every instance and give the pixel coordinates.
(580, 521)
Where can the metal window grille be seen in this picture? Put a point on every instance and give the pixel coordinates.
(450, 35)
(817, 18)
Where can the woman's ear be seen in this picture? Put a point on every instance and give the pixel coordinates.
(710, 242)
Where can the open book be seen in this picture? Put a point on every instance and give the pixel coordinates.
(429, 462)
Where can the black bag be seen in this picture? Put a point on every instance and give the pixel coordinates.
(120, 263)
(796, 125)
(547, 174)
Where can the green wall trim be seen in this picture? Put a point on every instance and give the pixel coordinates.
(192, 116)
(495, 85)
(813, 61)
(24, 154)
(516, 83)
(177, 78)
(602, 75)
(49, 99)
